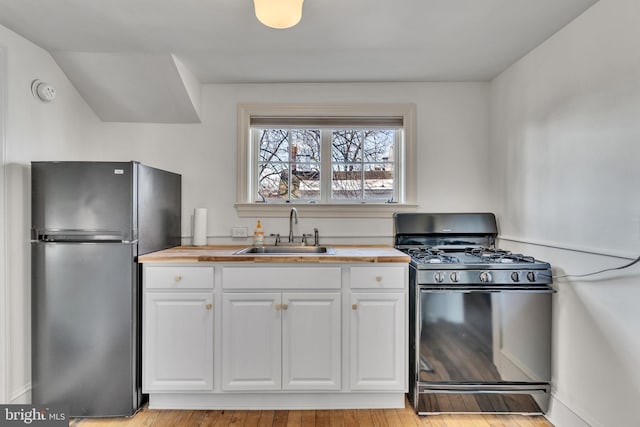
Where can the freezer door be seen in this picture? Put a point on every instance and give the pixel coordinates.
(85, 328)
(87, 196)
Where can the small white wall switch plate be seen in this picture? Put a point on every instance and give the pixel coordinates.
(239, 232)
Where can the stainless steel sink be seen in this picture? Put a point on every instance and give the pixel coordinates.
(284, 250)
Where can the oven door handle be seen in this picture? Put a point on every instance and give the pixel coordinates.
(486, 289)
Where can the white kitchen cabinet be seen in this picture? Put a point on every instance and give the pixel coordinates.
(311, 341)
(178, 329)
(277, 335)
(281, 341)
(251, 341)
(373, 278)
(378, 344)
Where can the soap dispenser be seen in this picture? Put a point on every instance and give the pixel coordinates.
(258, 235)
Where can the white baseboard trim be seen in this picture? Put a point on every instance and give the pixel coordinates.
(275, 401)
(560, 415)
(21, 396)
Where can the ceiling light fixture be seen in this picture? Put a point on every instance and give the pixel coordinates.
(278, 13)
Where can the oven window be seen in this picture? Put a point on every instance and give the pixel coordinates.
(484, 336)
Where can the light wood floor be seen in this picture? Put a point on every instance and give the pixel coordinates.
(346, 418)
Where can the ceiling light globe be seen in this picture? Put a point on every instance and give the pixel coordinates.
(278, 13)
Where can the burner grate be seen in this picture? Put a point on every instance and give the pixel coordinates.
(498, 255)
(431, 255)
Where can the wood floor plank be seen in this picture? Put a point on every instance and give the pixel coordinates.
(365, 417)
(309, 418)
(336, 418)
(322, 418)
(520, 421)
(280, 418)
(266, 418)
(407, 416)
(493, 421)
(224, 419)
(238, 418)
(392, 417)
(378, 417)
(432, 421)
(476, 421)
(294, 419)
(252, 419)
(350, 418)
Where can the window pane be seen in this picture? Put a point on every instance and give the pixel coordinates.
(288, 165)
(346, 182)
(346, 145)
(306, 181)
(360, 158)
(378, 182)
(378, 145)
(270, 179)
(274, 145)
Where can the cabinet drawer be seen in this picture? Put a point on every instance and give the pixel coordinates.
(177, 277)
(281, 278)
(378, 277)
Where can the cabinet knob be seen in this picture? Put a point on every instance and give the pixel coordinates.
(354, 306)
(178, 278)
(208, 306)
(378, 279)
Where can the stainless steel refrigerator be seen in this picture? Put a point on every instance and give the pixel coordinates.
(90, 221)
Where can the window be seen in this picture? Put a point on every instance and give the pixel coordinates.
(327, 159)
(353, 165)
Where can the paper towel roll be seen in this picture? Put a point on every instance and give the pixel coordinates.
(200, 227)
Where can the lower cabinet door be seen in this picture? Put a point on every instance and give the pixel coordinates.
(311, 341)
(378, 344)
(251, 341)
(178, 341)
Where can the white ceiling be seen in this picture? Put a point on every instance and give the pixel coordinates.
(221, 41)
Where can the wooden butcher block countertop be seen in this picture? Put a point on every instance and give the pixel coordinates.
(343, 254)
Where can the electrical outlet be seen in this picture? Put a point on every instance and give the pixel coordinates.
(239, 232)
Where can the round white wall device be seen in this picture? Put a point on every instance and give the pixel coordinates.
(43, 91)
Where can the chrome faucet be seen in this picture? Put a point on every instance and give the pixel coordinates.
(293, 213)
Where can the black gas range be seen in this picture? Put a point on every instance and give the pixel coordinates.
(460, 249)
(479, 317)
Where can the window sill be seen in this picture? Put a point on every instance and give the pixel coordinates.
(316, 210)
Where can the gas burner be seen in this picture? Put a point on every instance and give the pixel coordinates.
(498, 256)
(431, 255)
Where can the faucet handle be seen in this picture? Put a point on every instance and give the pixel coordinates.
(277, 236)
(316, 237)
(304, 238)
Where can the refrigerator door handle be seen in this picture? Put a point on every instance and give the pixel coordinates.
(78, 236)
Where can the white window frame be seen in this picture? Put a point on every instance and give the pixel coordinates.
(247, 152)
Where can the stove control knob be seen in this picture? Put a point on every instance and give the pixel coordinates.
(485, 277)
(438, 277)
(531, 276)
(455, 277)
(515, 276)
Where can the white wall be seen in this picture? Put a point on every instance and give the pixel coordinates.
(565, 176)
(452, 135)
(453, 129)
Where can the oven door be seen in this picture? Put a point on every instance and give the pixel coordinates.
(483, 349)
